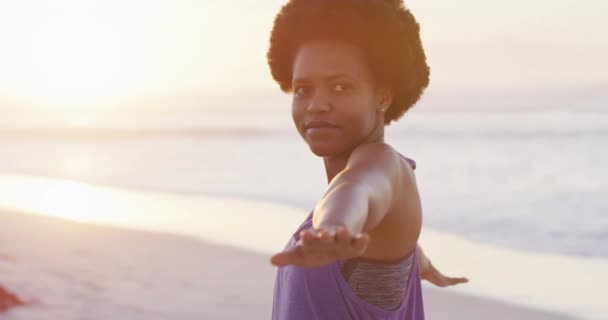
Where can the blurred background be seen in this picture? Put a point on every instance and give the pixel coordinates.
(510, 136)
(176, 97)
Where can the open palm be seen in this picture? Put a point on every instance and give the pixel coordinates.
(434, 276)
(318, 249)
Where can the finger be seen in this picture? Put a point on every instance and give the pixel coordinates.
(342, 236)
(309, 238)
(440, 280)
(343, 245)
(326, 237)
(358, 245)
(360, 241)
(436, 279)
(454, 281)
(280, 259)
(293, 256)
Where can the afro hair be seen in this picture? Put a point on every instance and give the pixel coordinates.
(385, 30)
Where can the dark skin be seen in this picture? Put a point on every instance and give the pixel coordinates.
(339, 110)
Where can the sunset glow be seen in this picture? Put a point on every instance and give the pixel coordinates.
(85, 55)
(78, 59)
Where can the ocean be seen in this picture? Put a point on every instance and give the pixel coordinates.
(527, 180)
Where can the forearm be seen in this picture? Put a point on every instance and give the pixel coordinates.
(423, 261)
(344, 204)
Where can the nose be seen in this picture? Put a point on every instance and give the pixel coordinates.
(319, 103)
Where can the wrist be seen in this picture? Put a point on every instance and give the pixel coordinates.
(425, 265)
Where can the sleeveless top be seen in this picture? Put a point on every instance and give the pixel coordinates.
(322, 293)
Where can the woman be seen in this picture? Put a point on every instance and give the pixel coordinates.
(353, 67)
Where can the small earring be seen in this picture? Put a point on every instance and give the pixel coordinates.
(382, 109)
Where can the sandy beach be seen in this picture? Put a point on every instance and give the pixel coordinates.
(71, 270)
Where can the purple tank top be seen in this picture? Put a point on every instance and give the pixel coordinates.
(322, 293)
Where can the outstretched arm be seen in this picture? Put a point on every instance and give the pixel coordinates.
(429, 273)
(356, 201)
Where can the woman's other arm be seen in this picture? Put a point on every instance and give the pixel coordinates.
(429, 273)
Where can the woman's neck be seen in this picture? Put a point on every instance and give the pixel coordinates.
(335, 164)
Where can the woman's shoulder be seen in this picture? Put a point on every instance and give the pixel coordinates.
(375, 147)
(383, 154)
(376, 150)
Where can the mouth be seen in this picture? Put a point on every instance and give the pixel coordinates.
(318, 125)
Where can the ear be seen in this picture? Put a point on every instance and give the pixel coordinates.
(384, 98)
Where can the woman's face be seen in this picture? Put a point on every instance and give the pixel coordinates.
(335, 104)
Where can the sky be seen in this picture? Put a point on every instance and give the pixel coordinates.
(89, 53)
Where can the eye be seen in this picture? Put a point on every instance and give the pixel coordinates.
(300, 91)
(340, 87)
